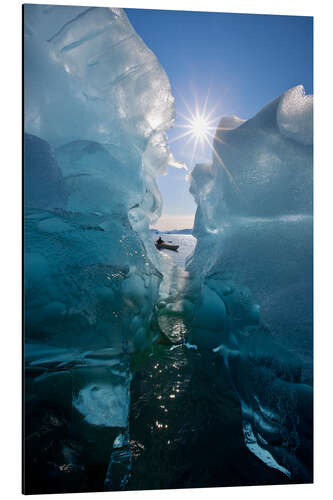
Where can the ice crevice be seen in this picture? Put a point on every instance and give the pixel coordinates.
(99, 295)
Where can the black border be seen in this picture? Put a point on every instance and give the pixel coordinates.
(23, 476)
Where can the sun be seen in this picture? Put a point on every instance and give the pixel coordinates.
(199, 126)
(200, 129)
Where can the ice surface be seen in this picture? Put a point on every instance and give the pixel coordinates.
(44, 185)
(254, 222)
(104, 405)
(254, 235)
(97, 104)
(93, 79)
(295, 115)
(262, 168)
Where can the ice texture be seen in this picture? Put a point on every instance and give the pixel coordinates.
(44, 185)
(261, 168)
(254, 217)
(104, 405)
(295, 116)
(93, 79)
(97, 105)
(254, 252)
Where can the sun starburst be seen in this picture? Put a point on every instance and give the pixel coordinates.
(199, 128)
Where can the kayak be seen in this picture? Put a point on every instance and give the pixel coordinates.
(166, 246)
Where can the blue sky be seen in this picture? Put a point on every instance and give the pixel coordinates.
(240, 61)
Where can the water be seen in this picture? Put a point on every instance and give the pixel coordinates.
(185, 426)
(186, 244)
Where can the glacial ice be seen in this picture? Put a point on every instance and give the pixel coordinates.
(97, 104)
(93, 79)
(295, 116)
(96, 108)
(256, 220)
(254, 234)
(104, 405)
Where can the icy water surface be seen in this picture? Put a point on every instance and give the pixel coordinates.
(186, 426)
(184, 430)
(174, 416)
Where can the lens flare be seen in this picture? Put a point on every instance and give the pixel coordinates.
(200, 128)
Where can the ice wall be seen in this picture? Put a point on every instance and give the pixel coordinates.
(97, 104)
(254, 217)
(254, 231)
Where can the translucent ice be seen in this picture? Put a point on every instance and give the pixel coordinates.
(104, 405)
(253, 226)
(263, 167)
(254, 217)
(295, 115)
(97, 105)
(93, 78)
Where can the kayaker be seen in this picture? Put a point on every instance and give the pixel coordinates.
(159, 241)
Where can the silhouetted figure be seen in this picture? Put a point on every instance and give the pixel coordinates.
(159, 241)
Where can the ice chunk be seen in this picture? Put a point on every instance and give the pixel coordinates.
(254, 226)
(44, 185)
(89, 171)
(264, 455)
(95, 79)
(120, 465)
(230, 122)
(210, 313)
(261, 168)
(98, 97)
(268, 263)
(295, 115)
(104, 405)
(254, 217)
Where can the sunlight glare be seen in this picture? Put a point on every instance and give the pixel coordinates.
(199, 127)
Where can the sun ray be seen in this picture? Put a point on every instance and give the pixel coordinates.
(180, 136)
(216, 138)
(223, 165)
(194, 149)
(200, 127)
(186, 118)
(187, 107)
(204, 110)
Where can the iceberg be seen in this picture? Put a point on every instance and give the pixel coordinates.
(97, 105)
(254, 251)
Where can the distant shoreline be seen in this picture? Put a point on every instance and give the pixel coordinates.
(172, 231)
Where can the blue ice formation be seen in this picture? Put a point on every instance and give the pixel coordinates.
(254, 217)
(254, 254)
(97, 104)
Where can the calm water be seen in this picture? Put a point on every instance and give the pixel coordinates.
(186, 244)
